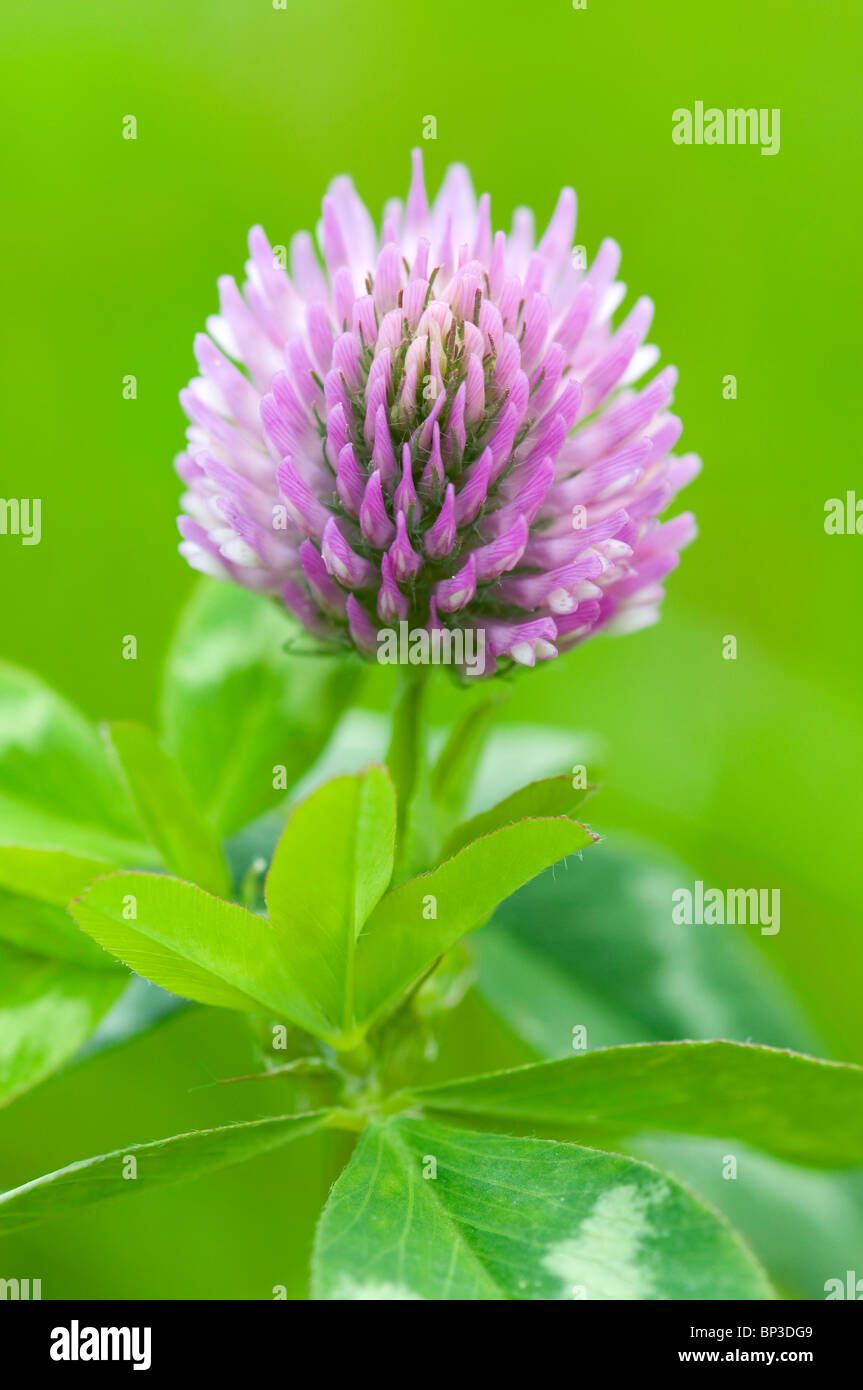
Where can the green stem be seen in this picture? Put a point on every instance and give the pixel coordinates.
(406, 753)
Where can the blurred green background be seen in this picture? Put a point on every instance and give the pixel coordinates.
(747, 769)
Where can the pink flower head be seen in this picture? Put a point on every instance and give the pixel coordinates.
(436, 423)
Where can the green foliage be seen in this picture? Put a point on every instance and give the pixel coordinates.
(58, 789)
(167, 810)
(338, 950)
(48, 876)
(74, 807)
(179, 1159)
(36, 886)
(423, 1211)
(55, 984)
(421, 919)
(198, 946)
(236, 705)
(47, 1009)
(331, 867)
(796, 1107)
(551, 796)
(598, 949)
(351, 969)
(458, 761)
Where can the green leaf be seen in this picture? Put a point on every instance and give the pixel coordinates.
(44, 930)
(49, 876)
(157, 1164)
(331, 866)
(552, 796)
(796, 1107)
(58, 789)
(598, 949)
(459, 759)
(421, 919)
(167, 810)
(803, 1224)
(518, 753)
(47, 1009)
(423, 1211)
(236, 706)
(35, 886)
(195, 945)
